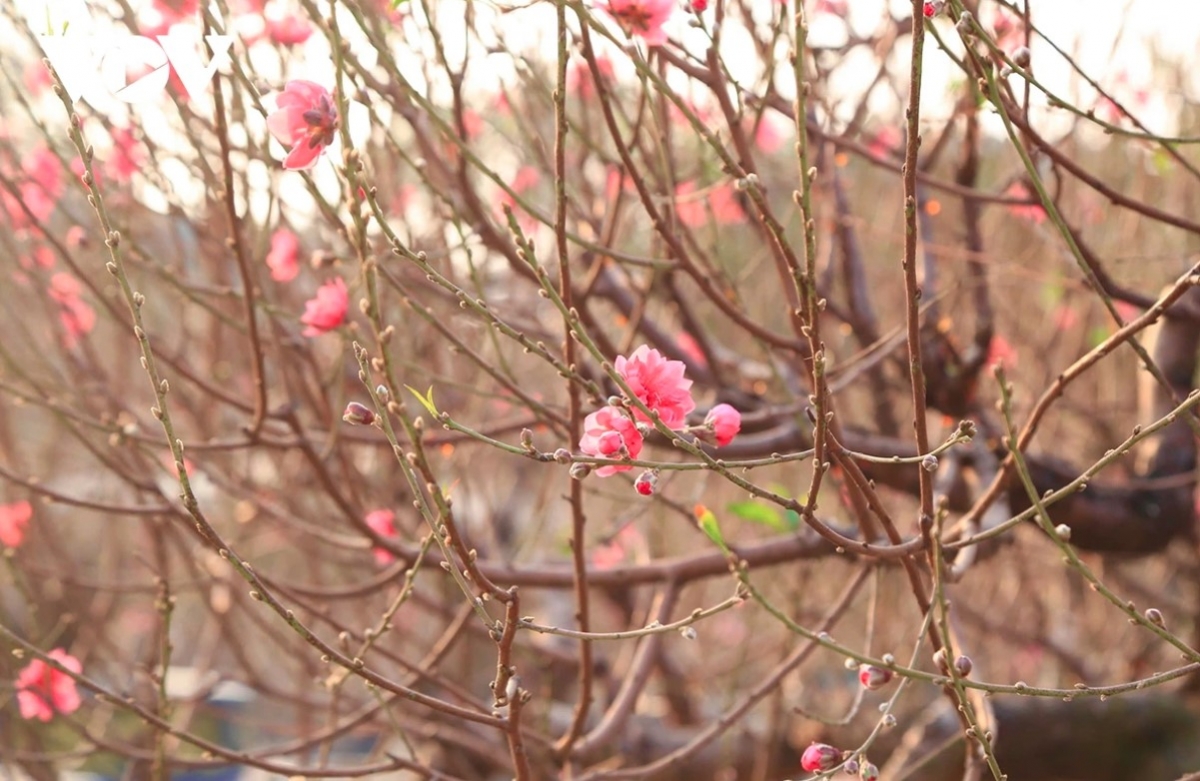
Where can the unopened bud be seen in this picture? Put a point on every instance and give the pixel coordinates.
(688, 632)
(580, 471)
(820, 757)
(1021, 57)
(963, 665)
(1155, 616)
(358, 414)
(872, 677)
(646, 482)
(527, 438)
(929, 463)
(851, 767)
(1063, 531)
(868, 772)
(562, 455)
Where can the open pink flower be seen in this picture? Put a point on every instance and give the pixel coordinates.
(305, 120)
(13, 520)
(383, 523)
(283, 259)
(725, 422)
(327, 309)
(287, 29)
(43, 690)
(607, 432)
(644, 18)
(659, 384)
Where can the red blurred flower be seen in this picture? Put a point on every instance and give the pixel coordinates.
(607, 432)
(127, 155)
(43, 690)
(305, 121)
(77, 316)
(13, 520)
(659, 384)
(383, 523)
(327, 309)
(644, 18)
(283, 259)
(288, 29)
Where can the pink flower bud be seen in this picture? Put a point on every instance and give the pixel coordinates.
(358, 414)
(868, 772)
(646, 482)
(872, 677)
(820, 757)
(725, 422)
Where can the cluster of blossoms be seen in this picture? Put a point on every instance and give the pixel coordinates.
(658, 383)
(43, 690)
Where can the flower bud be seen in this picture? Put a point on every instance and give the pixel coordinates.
(1021, 57)
(820, 757)
(580, 471)
(868, 772)
(963, 665)
(872, 677)
(562, 455)
(1155, 616)
(929, 463)
(646, 482)
(358, 414)
(722, 424)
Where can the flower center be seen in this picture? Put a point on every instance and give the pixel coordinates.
(322, 123)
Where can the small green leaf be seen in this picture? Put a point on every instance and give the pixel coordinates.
(426, 400)
(791, 520)
(708, 524)
(758, 513)
(397, 3)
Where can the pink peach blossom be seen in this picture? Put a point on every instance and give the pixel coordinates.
(719, 202)
(1001, 352)
(659, 384)
(383, 523)
(725, 422)
(43, 690)
(644, 18)
(1034, 212)
(287, 29)
(327, 309)
(76, 315)
(305, 120)
(579, 76)
(608, 431)
(127, 155)
(283, 259)
(13, 520)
